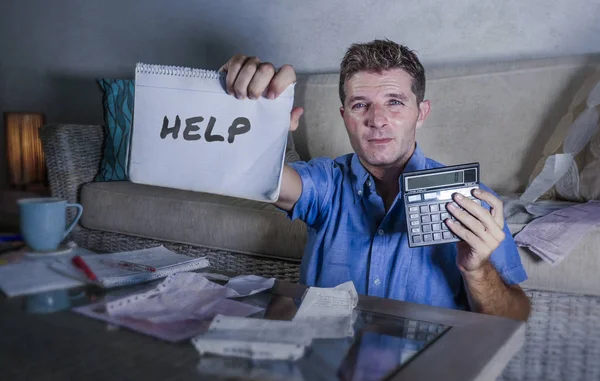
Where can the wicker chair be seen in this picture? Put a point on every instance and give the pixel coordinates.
(563, 332)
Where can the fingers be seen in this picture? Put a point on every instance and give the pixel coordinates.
(262, 77)
(284, 77)
(468, 236)
(477, 219)
(494, 202)
(232, 68)
(247, 77)
(295, 118)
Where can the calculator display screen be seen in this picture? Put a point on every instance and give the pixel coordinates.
(434, 180)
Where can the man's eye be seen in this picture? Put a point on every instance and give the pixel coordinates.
(395, 102)
(358, 105)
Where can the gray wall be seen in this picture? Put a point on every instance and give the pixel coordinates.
(51, 52)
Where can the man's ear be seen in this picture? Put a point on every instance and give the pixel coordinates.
(342, 112)
(424, 108)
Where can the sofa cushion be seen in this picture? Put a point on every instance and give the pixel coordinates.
(191, 217)
(117, 102)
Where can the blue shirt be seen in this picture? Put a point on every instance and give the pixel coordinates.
(351, 237)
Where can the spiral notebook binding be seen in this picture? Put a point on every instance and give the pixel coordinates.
(178, 71)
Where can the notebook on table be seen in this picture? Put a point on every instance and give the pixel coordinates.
(164, 261)
(188, 133)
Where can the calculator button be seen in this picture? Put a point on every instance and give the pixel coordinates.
(415, 230)
(435, 217)
(437, 236)
(414, 223)
(424, 208)
(426, 228)
(430, 196)
(416, 239)
(413, 209)
(444, 216)
(434, 208)
(436, 227)
(443, 206)
(427, 237)
(444, 226)
(414, 216)
(447, 235)
(414, 197)
(425, 219)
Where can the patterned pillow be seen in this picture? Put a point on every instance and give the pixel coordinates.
(117, 102)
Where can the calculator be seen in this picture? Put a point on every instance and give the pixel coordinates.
(426, 194)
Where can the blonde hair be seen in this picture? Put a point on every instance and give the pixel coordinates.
(377, 56)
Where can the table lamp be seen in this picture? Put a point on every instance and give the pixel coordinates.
(26, 164)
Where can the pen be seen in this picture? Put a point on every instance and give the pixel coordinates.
(129, 265)
(80, 264)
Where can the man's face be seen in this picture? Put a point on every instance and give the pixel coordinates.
(381, 115)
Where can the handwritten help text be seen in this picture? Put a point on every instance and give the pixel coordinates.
(239, 126)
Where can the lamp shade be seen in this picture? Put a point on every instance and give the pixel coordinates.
(26, 165)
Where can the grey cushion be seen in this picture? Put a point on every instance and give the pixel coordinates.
(194, 218)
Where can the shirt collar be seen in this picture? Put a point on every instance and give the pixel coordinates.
(361, 176)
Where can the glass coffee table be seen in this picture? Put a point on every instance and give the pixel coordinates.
(392, 340)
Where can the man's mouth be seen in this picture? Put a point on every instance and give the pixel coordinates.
(380, 140)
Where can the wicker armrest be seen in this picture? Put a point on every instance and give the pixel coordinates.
(73, 154)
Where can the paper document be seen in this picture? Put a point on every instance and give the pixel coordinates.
(560, 170)
(181, 296)
(164, 260)
(255, 338)
(329, 310)
(219, 367)
(554, 236)
(245, 285)
(555, 168)
(34, 275)
(188, 133)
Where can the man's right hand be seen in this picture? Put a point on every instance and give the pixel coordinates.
(247, 77)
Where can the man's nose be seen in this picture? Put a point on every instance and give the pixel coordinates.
(376, 116)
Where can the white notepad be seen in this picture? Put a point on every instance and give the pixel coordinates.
(188, 133)
(162, 259)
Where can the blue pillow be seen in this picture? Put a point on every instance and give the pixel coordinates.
(117, 102)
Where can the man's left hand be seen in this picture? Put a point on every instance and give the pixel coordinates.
(481, 230)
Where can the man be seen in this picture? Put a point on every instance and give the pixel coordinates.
(353, 204)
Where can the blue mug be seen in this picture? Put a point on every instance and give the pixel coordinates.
(43, 222)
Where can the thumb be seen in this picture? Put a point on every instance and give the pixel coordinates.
(295, 118)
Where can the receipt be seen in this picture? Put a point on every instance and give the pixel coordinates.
(329, 310)
(255, 338)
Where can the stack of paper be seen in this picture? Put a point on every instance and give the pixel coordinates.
(255, 338)
(325, 313)
(554, 236)
(162, 259)
(181, 306)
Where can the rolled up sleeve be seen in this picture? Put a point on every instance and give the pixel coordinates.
(317, 178)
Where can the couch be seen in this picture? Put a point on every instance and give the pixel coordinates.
(497, 114)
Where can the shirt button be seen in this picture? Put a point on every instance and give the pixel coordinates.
(380, 232)
(377, 282)
(368, 183)
(360, 193)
